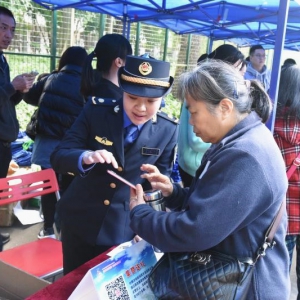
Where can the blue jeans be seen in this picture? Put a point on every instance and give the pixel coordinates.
(292, 241)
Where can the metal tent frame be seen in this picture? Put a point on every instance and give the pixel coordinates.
(273, 23)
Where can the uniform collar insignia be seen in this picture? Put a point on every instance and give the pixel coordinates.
(103, 140)
(116, 109)
(96, 100)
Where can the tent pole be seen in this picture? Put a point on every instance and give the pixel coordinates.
(102, 25)
(187, 58)
(126, 24)
(54, 38)
(279, 44)
(137, 39)
(166, 44)
(209, 46)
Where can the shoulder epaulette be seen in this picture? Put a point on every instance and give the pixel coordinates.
(102, 101)
(165, 116)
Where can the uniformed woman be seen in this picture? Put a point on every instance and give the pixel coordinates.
(118, 135)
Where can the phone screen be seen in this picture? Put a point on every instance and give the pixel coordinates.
(121, 178)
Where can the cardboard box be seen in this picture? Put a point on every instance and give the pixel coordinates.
(7, 216)
(16, 284)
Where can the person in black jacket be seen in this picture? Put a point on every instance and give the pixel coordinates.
(10, 96)
(60, 102)
(111, 51)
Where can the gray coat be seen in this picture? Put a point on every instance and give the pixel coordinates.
(229, 208)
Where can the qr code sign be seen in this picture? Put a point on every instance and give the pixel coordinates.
(116, 289)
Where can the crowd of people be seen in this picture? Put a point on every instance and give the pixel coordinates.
(232, 167)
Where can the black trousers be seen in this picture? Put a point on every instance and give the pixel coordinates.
(76, 251)
(49, 201)
(5, 158)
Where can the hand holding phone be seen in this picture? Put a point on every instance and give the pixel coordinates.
(121, 179)
(33, 73)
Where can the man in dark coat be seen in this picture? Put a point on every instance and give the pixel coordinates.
(10, 95)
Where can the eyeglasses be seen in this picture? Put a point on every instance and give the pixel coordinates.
(259, 56)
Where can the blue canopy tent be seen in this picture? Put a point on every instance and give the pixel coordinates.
(245, 21)
(271, 23)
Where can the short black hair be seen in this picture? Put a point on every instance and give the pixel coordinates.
(255, 47)
(74, 55)
(202, 57)
(289, 61)
(5, 11)
(227, 53)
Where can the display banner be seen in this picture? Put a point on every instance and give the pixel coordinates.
(124, 276)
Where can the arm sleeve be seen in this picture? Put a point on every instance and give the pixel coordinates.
(6, 92)
(219, 204)
(32, 97)
(67, 154)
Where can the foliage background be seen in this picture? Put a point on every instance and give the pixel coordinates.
(42, 36)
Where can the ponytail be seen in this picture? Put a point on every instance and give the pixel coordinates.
(87, 76)
(261, 102)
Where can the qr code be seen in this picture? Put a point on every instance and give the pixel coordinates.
(116, 289)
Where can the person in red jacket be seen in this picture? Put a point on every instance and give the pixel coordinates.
(287, 136)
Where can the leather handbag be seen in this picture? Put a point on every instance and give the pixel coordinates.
(32, 126)
(208, 274)
(201, 275)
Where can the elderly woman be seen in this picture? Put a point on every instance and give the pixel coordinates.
(238, 188)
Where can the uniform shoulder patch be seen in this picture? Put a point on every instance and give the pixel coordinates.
(102, 101)
(165, 116)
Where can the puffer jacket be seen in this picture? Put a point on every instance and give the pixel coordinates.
(59, 99)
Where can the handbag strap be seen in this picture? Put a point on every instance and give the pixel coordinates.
(269, 243)
(276, 221)
(292, 168)
(269, 236)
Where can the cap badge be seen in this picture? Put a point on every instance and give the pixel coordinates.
(145, 68)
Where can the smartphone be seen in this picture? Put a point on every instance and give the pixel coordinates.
(121, 178)
(32, 73)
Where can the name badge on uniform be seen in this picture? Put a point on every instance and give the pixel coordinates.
(103, 140)
(150, 151)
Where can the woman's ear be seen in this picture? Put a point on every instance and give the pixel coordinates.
(119, 62)
(226, 107)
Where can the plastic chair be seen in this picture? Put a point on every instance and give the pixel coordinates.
(41, 258)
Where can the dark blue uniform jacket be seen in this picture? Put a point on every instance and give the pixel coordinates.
(97, 203)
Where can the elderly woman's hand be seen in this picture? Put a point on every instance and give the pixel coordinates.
(158, 181)
(136, 196)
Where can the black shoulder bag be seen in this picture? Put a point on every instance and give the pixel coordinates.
(32, 126)
(207, 274)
